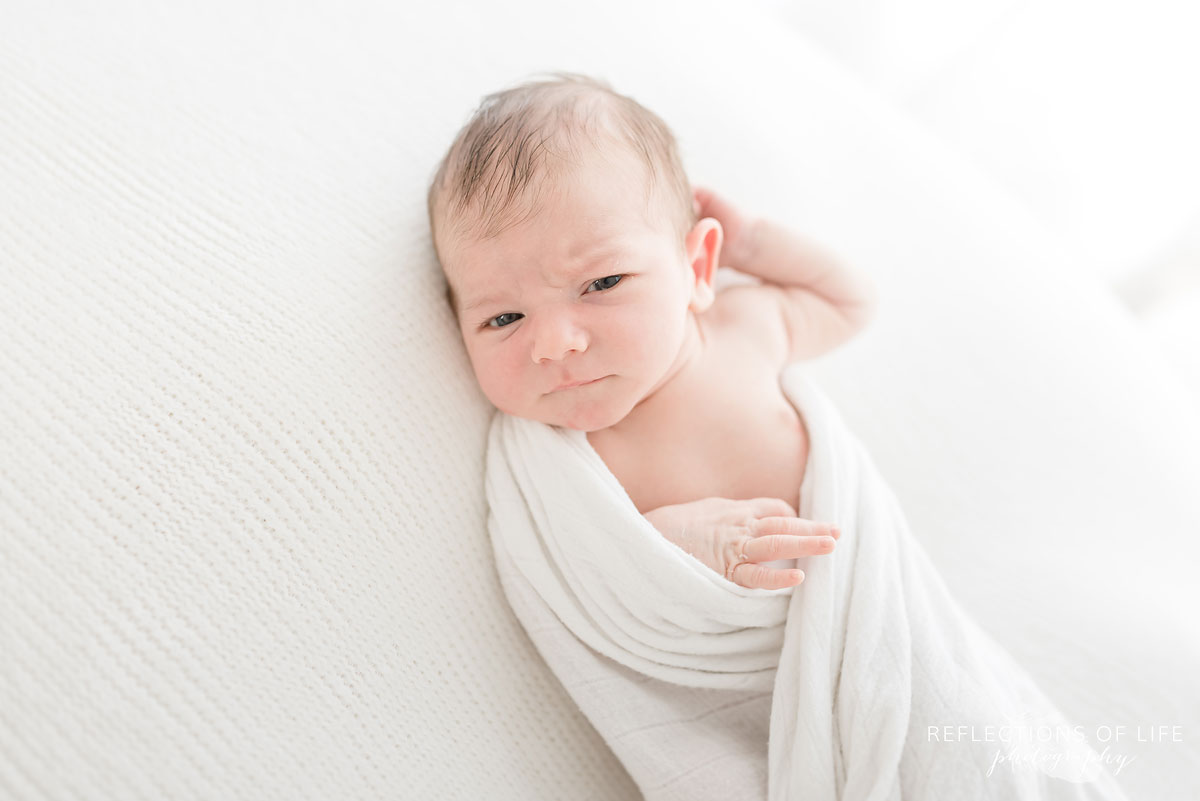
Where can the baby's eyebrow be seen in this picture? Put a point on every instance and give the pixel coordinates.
(596, 256)
(482, 301)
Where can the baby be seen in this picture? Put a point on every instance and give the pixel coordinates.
(579, 264)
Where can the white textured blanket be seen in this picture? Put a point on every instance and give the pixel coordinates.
(868, 677)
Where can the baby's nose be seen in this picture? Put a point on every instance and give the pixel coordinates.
(556, 338)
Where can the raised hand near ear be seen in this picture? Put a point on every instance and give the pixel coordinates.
(735, 224)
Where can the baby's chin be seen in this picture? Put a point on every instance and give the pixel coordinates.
(588, 426)
(586, 423)
(580, 409)
(587, 416)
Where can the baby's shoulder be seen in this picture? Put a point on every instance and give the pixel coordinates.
(748, 319)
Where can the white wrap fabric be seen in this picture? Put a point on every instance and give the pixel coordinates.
(867, 670)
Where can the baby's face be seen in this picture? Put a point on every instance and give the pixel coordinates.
(585, 290)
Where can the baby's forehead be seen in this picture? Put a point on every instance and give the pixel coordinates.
(546, 255)
(482, 272)
(595, 226)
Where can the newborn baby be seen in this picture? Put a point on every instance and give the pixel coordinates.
(579, 264)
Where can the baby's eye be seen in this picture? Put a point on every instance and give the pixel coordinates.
(603, 281)
(501, 316)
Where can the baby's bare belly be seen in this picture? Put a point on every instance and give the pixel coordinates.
(757, 452)
(725, 430)
(756, 447)
(722, 428)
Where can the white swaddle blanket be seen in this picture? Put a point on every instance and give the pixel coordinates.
(869, 679)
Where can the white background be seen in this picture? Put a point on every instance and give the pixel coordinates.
(1086, 111)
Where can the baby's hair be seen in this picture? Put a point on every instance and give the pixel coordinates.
(521, 140)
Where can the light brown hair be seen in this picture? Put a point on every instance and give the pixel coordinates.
(522, 139)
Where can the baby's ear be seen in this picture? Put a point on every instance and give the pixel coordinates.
(703, 246)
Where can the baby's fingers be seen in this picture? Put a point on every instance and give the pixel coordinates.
(793, 525)
(770, 547)
(757, 577)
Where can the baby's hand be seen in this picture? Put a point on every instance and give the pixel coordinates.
(734, 224)
(732, 537)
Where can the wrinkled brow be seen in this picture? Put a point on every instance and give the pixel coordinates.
(595, 256)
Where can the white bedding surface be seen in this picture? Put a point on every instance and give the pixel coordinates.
(243, 545)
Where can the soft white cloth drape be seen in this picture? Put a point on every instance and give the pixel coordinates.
(876, 684)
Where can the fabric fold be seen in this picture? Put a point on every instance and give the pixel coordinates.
(840, 688)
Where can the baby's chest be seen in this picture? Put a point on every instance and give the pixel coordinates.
(731, 434)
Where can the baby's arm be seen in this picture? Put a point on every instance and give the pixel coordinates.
(821, 301)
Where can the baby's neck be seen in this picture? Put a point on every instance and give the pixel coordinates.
(690, 351)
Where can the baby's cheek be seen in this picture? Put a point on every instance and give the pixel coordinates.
(646, 346)
(503, 387)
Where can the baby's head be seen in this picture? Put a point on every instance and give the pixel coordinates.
(564, 222)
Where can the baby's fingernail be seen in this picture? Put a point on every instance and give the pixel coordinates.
(835, 531)
(797, 575)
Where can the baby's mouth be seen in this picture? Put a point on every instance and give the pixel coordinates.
(576, 384)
